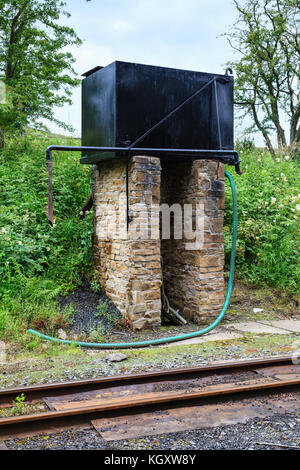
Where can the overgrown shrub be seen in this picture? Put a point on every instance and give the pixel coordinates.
(269, 208)
(38, 262)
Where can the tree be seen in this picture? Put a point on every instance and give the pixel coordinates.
(35, 66)
(266, 36)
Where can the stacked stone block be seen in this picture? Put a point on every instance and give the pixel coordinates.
(128, 263)
(193, 278)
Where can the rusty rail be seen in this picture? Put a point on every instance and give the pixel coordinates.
(146, 399)
(52, 389)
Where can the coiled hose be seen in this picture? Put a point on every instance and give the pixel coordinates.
(171, 338)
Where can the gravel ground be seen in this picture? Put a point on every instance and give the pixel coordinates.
(79, 364)
(257, 434)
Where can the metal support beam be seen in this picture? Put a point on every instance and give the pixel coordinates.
(229, 157)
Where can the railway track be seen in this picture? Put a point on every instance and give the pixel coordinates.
(80, 402)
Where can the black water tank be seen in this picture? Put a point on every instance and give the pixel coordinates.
(122, 101)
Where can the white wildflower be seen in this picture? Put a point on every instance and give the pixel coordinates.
(20, 243)
(287, 157)
(283, 177)
(273, 200)
(297, 207)
(48, 249)
(3, 230)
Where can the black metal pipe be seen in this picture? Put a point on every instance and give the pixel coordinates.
(229, 157)
(208, 153)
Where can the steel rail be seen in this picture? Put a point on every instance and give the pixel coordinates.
(142, 401)
(35, 392)
(13, 425)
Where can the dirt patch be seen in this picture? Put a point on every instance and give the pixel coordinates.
(96, 319)
(91, 310)
(273, 304)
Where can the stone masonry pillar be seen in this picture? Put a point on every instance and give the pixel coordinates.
(128, 263)
(193, 275)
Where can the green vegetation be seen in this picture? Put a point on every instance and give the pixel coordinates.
(108, 311)
(19, 407)
(39, 262)
(269, 209)
(104, 309)
(97, 334)
(35, 66)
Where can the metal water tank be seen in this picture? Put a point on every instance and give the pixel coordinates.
(123, 101)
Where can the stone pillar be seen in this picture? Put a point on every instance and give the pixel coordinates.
(193, 278)
(211, 186)
(128, 263)
(144, 307)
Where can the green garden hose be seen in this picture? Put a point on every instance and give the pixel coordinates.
(171, 338)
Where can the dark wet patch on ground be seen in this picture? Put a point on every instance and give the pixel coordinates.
(91, 310)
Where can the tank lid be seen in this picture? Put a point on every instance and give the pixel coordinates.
(90, 72)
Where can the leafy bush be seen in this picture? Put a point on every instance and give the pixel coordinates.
(269, 207)
(38, 262)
